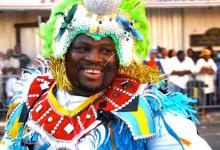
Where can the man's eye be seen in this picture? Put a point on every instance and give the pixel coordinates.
(107, 51)
(80, 49)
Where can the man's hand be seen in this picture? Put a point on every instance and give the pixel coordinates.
(181, 73)
(207, 70)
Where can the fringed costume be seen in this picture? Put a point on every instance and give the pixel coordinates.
(135, 112)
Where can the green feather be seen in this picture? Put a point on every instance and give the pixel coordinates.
(47, 29)
(134, 8)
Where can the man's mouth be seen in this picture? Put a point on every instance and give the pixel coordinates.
(92, 73)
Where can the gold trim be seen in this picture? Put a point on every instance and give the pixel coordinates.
(53, 101)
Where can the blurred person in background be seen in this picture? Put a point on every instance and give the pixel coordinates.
(206, 71)
(181, 70)
(10, 64)
(210, 47)
(191, 54)
(217, 62)
(152, 60)
(171, 53)
(1, 77)
(164, 60)
(1, 62)
(38, 62)
(11, 85)
(23, 58)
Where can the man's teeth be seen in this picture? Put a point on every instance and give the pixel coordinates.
(92, 71)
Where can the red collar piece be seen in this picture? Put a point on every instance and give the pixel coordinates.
(65, 127)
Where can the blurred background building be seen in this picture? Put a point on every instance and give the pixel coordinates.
(175, 24)
(19, 23)
(180, 24)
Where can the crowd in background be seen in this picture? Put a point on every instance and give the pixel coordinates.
(191, 72)
(185, 71)
(11, 65)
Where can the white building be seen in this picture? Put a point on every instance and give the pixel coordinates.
(19, 23)
(172, 22)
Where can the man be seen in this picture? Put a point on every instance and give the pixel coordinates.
(10, 64)
(164, 60)
(191, 54)
(98, 96)
(23, 58)
(206, 70)
(181, 70)
(152, 61)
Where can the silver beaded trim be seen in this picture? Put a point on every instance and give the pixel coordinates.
(80, 123)
(33, 95)
(111, 101)
(45, 114)
(121, 90)
(56, 126)
(94, 111)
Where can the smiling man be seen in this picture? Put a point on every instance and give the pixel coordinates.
(91, 65)
(97, 95)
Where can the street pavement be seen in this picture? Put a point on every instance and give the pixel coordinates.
(209, 130)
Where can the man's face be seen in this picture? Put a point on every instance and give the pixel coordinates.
(17, 49)
(153, 56)
(164, 52)
(206, 57)
(181, 57)
(9, 53)
(91, 65)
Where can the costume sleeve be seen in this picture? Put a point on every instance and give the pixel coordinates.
(14, 128)
(18, 111)
(185, 130)
(174, 119)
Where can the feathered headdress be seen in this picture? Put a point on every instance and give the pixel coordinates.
(122, 20)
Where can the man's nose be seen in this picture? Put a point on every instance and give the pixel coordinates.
(95, 56)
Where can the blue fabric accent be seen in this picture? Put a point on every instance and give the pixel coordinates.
(148, 112)
(31, 138)
(172, 102)
(128, 26)
(182, 104)
(13, 116)
(14, 144)
(122, 140)
(134, 124)
(128, 116)
(34, 137)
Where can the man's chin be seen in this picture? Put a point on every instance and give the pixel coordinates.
(91, 89)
